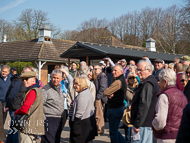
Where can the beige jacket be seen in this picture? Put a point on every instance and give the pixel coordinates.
(35, 124)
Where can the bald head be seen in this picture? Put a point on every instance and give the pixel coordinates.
(178, 67)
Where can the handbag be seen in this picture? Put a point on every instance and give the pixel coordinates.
(127, 117)
(20, 120)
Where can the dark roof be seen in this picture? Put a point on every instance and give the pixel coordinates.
(30, 50)
(83, 49)
(150, 40)
(45, 27)
(112, 41)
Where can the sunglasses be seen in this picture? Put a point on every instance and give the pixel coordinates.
(96, 68)
(132, 78)
(187, 72)
(26, 78)
(182, 80)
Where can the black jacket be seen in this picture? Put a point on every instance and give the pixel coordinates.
(183, 132)
(143, 103)
(117, 100)
(13, 90)
(156, 73)
(101, 84)
(187, 91)
(15, 94)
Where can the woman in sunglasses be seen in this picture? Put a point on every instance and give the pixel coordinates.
(132, 85)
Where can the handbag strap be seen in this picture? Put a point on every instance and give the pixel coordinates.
(28, 113)
(32, 112)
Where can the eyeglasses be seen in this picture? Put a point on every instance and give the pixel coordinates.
(132, 78)
(26, 78)
(96, 68)
(182, 80)
(140, 70)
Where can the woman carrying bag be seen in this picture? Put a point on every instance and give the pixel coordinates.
(132, 85)
(82, 122)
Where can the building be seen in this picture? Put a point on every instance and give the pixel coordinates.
(44, 52)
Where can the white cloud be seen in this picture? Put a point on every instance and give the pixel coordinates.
(11, 5)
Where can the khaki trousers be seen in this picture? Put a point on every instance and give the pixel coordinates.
(26, 138)
(99, 115)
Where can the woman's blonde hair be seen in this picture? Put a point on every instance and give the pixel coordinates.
(81, 82)
(131, 74)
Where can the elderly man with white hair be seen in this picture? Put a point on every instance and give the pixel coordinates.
(71, 93)
(169, 108)
(143, 103)
(53, 105)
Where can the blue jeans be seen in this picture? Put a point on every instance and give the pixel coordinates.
(12, 136)
(127, 133)
(114, 117)
(146, 135)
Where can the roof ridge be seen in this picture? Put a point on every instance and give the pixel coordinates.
(64, 40)
(41, 49)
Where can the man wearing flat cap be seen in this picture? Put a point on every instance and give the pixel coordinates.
(32, 104)
(158, 67)
(185, 60)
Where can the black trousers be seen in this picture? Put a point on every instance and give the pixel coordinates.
(64, 117)
(53, 129)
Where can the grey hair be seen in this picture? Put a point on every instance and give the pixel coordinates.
(91, 67)
(133, 66)
(83, 62)
(169, 75)
(56, 72)
(36, 71)
(148, 66)
(98, 66)
(171, 64)
(6, 67)
(84, 70)
(26, 68)
(65, 68)
(120, 67)
(184, 74)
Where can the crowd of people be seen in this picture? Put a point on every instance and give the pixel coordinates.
(154, 96)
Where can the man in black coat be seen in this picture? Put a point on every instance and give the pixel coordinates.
(101, 83)
(143, 103)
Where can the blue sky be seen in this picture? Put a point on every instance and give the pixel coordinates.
(68, 14)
